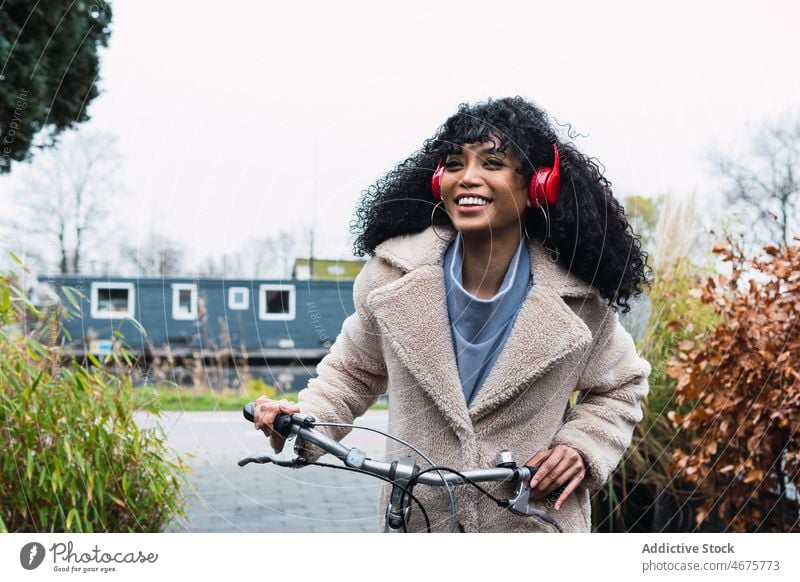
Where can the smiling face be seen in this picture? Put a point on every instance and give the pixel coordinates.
(483, 193)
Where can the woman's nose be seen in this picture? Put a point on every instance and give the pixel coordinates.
(471, 174)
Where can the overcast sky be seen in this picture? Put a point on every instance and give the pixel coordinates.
(237, 119)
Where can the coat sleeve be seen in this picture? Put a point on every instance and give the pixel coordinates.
(352, 376)
(612, 386)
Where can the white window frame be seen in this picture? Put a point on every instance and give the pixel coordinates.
(176, 295)
(102, 314)
(232, 291)
(262, 304)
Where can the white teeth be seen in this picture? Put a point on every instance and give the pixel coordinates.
(472, 201)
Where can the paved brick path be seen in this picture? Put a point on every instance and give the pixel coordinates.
(266, 498)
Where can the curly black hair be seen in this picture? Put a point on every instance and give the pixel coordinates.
(588, 225)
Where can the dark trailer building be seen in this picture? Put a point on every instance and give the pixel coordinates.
(283, 328)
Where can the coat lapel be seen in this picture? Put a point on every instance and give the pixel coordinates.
(412, 313)
(545, 332)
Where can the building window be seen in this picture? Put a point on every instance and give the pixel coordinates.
(184, 301)
(112, 300)
(238, 297)
(276, 302)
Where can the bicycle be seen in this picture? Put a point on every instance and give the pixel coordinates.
(403, 473)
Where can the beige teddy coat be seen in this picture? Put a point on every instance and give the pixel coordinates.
(565, 338)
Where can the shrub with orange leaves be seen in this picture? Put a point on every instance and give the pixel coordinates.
(738, 394)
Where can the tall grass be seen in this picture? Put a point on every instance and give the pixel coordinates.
(74, 459)
(643, 494)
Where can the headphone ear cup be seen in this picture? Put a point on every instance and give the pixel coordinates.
(532, 190)
(546, 183)
(536, 190)
(436, 182)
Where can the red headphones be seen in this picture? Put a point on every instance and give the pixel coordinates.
(543, 189)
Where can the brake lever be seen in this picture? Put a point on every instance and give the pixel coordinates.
(520, 503)
(288, 457)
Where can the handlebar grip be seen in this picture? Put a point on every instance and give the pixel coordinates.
(282, 424)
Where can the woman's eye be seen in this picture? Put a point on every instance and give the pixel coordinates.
(452, 164)
(495, 163)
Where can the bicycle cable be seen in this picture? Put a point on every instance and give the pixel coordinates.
(405, 490)
(500, 502)
(413, 448)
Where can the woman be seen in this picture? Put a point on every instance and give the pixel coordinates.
(499, 260)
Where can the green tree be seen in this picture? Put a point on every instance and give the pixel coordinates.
(643, 213)
(49, 69)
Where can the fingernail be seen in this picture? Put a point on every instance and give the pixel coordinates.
(558, 506)
(534, 482)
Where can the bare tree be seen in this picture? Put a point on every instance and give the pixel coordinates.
(274, 256)
(226, 265)
(763, 181)
(67, 197)
(158, 255)
(268, 257)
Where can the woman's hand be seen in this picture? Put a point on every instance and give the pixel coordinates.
(266, 410)
(555, 467)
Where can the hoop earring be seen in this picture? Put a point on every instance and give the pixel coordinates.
(554, 253)
(433, 226)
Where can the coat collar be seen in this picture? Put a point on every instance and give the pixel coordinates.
(427, 248)
(412, 313)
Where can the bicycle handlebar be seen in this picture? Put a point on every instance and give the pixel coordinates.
(283, 424)
(301, 426)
